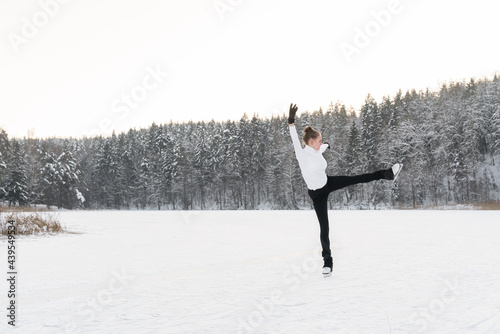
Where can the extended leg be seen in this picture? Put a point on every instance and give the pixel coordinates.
(339, 182)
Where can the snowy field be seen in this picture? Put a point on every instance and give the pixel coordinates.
(260, 272)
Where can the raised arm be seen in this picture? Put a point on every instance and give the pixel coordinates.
(295, 139)
(293, 133)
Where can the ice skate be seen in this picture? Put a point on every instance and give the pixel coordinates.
(328, 267)
(393, 172)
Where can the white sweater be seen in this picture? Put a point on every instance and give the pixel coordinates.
(311, 162)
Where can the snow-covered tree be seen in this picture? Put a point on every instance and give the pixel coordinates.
(4, 150)
(16, 185)
(371, 127)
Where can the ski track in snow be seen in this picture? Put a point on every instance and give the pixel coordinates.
(260, 272)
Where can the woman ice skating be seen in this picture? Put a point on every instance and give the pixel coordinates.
(312, 165)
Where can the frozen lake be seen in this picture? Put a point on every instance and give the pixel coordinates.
(260, 272)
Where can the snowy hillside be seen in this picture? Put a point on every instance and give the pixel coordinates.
(259, 272)
(448, 140)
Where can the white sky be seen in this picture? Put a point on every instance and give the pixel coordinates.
(70, 75)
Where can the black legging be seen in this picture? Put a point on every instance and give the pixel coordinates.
(320, 202)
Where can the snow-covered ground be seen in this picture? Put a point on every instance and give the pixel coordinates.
(260, 272)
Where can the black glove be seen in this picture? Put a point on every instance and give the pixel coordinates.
(291, 113)
(328, 147)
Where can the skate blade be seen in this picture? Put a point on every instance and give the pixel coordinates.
(327, 274)
(397, 174)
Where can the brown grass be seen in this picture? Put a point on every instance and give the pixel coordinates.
(28, 223)
(5, 208)
(489, 206)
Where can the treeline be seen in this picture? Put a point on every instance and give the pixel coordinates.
(448, 141)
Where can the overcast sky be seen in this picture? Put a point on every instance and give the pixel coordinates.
(74, 67)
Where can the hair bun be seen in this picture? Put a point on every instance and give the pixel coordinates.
(309, 133)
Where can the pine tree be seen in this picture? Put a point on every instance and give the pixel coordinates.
(128, 179)
(104, 175)
(353, 150)
(17, 188)
(371, 126)
(49, 178)
(168, 166)
(257, 160)
(353, 158)
(3, 167)
(182, 185)
(4, 150)
(67, 181)
(220, 149)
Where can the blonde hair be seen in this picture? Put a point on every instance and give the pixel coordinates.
(309, 133)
